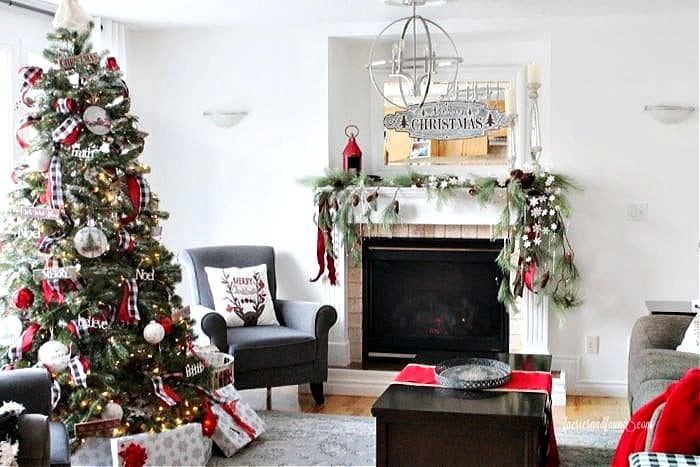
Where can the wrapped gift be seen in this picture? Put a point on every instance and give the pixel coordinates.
(237, 423)
(185, 445)
(92, 452)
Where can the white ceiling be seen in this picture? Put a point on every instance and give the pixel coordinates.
(175, 13)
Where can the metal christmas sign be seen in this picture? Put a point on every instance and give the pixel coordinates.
(145, 275)
(68, 272)
(447, 120)
(85, 154)
(97, 427)
(71, 62)
(40, 213)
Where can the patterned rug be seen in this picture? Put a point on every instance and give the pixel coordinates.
(312, 439)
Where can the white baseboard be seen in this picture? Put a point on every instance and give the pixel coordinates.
(348, 382)
(602, 388)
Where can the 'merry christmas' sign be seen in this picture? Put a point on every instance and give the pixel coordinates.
(447, 120)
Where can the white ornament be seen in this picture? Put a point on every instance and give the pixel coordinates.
(38, 161)
(112, 410)
(10, 330)
(153, 332)
(54, 355)
(70, 15)
(96, 120)
(90, 242)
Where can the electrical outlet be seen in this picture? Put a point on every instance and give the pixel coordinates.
(638, 212)
(592, 344)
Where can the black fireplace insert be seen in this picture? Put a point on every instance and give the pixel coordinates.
(422, 294)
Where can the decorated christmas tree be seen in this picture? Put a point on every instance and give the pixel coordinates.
(90, 289)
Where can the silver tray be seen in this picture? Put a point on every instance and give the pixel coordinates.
(472, 373)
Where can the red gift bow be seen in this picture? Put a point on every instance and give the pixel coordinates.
(134, 455)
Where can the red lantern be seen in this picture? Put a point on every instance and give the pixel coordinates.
(352, 154)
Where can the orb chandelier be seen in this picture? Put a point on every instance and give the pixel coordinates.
(408, 76)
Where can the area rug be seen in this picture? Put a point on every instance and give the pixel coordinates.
(313, 439)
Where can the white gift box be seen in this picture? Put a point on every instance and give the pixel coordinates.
(233, 433)
(185, 445)
(93, 452)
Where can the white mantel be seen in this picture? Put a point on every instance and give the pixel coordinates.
(417, 210)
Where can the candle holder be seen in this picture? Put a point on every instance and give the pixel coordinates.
(512, 153)
(535, 131)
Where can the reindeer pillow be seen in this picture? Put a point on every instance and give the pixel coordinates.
(242, 296)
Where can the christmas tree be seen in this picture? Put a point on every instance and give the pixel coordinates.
(90, 289)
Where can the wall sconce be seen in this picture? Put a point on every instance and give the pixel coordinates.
(224, 119)
(669, 113)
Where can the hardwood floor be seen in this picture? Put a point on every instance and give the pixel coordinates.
(579, 410)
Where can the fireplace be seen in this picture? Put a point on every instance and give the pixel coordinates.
(431, 294)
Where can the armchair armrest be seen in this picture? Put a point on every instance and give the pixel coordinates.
(214, 326)
(309, 317)
(34, 440)
(658, 332)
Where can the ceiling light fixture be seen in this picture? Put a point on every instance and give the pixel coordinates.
(224, 119)
(414, 60)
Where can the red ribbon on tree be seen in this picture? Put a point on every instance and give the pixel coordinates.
(208, 419)
(231, 409)
(65, 105)
(529, 276)
(129, 310)
(167, 396)
(140, 195)
(112, 64)
(323, 252)
(68, 132)
(24, 344)
(133, 455)
(24, 123)
(79, 366)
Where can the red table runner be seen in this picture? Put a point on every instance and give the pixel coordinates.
(522, 381)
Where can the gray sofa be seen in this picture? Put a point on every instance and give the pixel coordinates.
(654, 362)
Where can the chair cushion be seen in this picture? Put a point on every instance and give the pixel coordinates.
(269, 346)
(242, 295)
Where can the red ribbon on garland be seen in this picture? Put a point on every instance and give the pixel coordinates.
(24, 344)
(133, 455)
(322, 251)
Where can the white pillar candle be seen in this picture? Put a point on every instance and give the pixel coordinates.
(533, 73)
(510, 101)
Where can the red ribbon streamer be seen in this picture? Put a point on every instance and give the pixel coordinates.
(51, 293)
(28, 337)
(134, 455)
(322, 254)
(230, 408)
(134, 190)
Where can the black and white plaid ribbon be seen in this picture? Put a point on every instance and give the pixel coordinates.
(55, 394)
(53, 263)
(163, 392)
(133, 303)
(56, 200)
(47, 241)
(66, 129)
(144, 193)
(64, 105)
(14, 352)
(77, 371)
(30, 75)
(124, 242)
(79, 327)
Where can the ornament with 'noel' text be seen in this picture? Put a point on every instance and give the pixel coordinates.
(71, 62)
(39, 213)
(68, 272)
(145, 275)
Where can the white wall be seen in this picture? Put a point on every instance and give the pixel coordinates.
(239, 185)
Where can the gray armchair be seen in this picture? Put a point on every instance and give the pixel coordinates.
(296, 352)
(654, 362)
(41, 442)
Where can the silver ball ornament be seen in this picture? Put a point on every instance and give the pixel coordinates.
(112, 410)
(90, 242)
(154, 332)
(54, 355)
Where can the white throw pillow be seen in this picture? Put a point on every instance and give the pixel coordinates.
(691, 340)
(242, 295)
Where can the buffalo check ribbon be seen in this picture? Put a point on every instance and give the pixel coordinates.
(23, 344)
(29, 76)
(164, 392)
(78, 327)
(78, 370)
(125, 242)
(140, 195)
(65, 105)
(129, 308)
(55, 185)
(55, 394)
(48, 240)
(67, 132)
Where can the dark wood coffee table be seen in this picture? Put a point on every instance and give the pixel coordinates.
(418, 425)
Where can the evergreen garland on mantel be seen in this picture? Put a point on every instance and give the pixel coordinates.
(537, 254)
